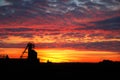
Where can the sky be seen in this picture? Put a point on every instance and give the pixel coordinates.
(89, 25)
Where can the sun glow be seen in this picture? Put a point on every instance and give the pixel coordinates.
(64, 55)
(67, 55)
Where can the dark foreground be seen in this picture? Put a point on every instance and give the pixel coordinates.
(98, 71)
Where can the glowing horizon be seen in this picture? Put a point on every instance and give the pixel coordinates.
(65, 55)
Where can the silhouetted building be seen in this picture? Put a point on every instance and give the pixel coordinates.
(32, 54)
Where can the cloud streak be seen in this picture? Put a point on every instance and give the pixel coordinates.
(90, 24)
(4, 3)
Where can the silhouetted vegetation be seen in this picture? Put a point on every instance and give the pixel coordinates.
(70, 70)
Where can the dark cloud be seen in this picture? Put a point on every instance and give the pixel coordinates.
(22, 32)
(111, 20)
(109, 24)
(27, 12)
(24, 35)
(106, 36)
(3, 35)
(99, 46)
(26, 32)
(16, 29)
(53, 33)
(59, 6)
(8, 45)
(73, 34)
(48, 30)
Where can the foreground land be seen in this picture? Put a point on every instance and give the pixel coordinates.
(51, 70)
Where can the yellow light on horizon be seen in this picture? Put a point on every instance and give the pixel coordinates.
(65, 55)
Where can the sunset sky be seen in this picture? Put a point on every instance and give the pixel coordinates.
(72, 29)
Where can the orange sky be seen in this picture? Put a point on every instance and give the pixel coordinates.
(65, 55)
